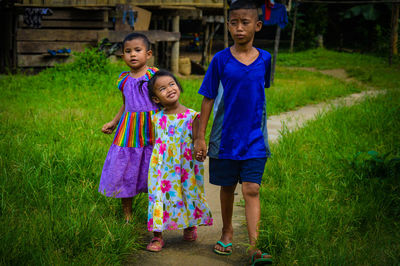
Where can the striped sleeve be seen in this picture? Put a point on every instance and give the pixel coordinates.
(122, 80)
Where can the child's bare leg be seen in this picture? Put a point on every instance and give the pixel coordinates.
(251, 197)
(127, 208)
(226, 197)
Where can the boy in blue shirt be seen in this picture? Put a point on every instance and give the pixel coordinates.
(238, 148)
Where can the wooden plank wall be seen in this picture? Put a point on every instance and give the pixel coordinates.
(69, 28)
(64, 3)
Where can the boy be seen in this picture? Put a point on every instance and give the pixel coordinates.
(238, 148)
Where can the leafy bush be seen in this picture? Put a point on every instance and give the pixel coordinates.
(91, 60)
(373, 164)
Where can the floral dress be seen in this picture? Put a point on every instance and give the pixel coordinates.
(175, 182)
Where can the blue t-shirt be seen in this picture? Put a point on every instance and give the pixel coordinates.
(239, 131)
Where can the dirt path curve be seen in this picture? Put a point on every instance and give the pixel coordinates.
(179, 252)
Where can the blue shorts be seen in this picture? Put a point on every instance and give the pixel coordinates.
(226, 172)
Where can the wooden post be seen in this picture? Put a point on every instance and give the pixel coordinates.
(105, 19)
(210, 43)
(155, 50)
(8, 45)
(226, 24)
(277, 37)
(293, 27)
(175, 47)
(205, 46)
(165, 45)
(14, 63)
(394, 35)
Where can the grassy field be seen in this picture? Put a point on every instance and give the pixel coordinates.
(331, 191)
(370, 69)
(52, 152)
(51, 157)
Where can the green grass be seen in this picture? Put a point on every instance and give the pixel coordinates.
(331, 191)
(52, 152)
(189, 97)
(294, 88)
(326, 59)
(51, 157)
(367, 68)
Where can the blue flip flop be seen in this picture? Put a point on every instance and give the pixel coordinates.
(260, 261)
(224, 246)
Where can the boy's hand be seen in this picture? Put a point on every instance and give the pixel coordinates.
(200, 149)
(108, 128)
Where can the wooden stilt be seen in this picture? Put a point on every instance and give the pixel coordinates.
(205, 45)
(156, 46)
(175, 47)
(226, 44)
(210, 42)
(105, 19)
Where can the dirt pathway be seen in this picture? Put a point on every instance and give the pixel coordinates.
(179, 252)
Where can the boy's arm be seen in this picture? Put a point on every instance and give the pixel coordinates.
(109, 127)
(200, 146)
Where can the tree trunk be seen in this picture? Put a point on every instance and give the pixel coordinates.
(276, 48)
(293, 27)
(394, 36)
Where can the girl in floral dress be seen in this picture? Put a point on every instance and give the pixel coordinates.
(175, 182)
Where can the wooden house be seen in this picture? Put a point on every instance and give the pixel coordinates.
(40, 33)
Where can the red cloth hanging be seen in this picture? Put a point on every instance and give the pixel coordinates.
(268, 7)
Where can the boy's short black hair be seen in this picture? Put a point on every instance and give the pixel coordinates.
(135, 35)
(244, 4)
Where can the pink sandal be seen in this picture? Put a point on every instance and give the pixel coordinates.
(152, 245)
(190, 234)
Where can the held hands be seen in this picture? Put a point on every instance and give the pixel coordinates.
(200, 149)
(109, 127)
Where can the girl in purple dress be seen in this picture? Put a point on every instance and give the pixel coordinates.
(126, 167)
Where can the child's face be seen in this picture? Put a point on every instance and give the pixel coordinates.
(243, 24)
(166, 90)
(136, 54)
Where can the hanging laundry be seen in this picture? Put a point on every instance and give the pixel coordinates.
(129, 15)
(33, 16)
(132, 19)
(269, 4)
(62, 51)
(275, 15)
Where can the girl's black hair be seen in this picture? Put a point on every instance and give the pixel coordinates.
(152, 81)
(135, 35)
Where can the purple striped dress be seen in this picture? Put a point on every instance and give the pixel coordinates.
(126, 167)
